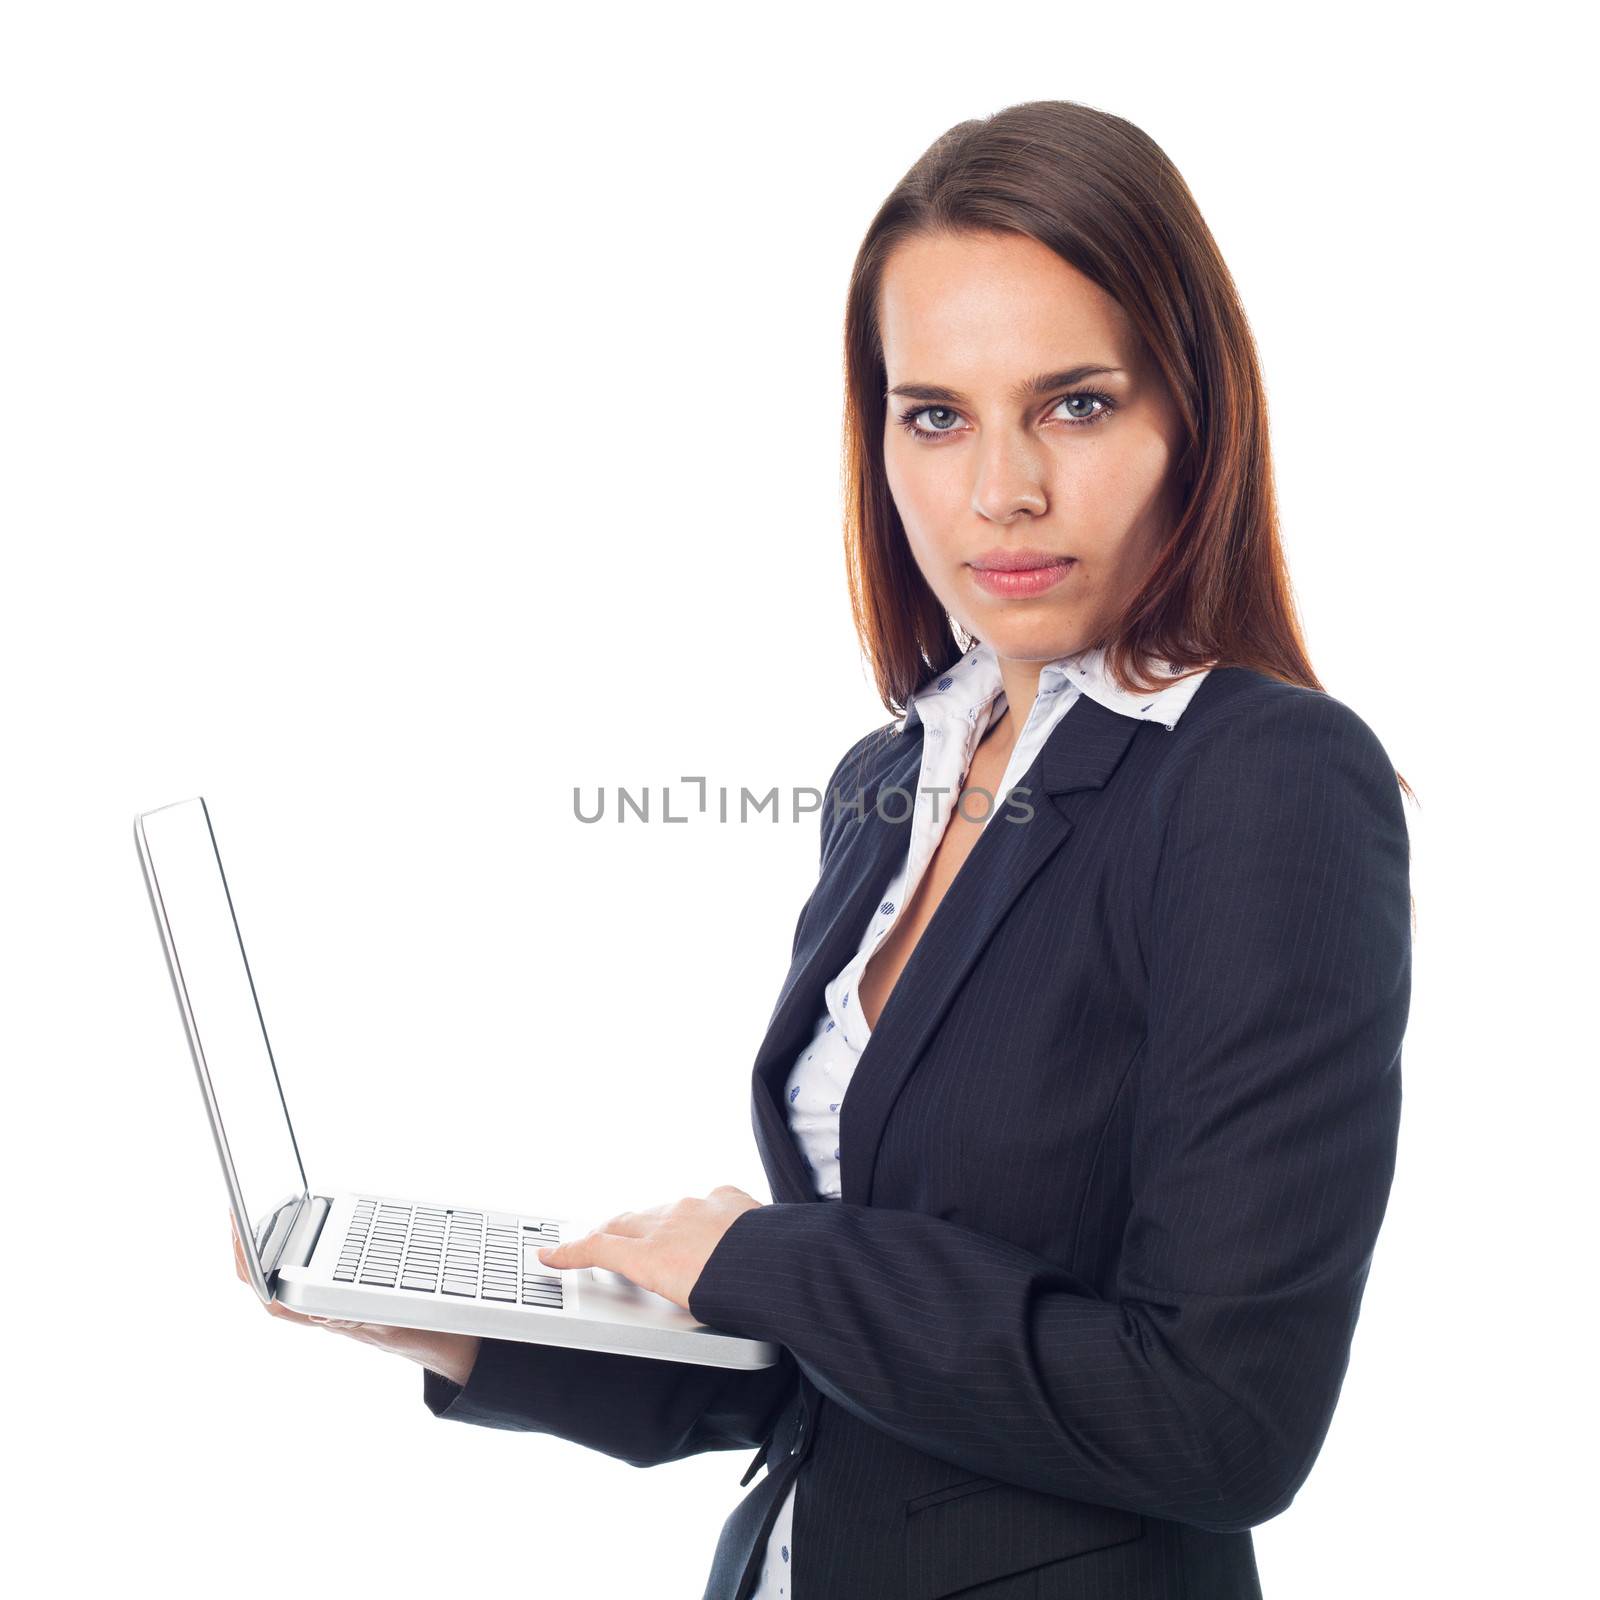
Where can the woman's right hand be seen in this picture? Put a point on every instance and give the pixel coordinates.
(451, 1355)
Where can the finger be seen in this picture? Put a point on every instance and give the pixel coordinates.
(596, 1249)
(610, 1252)
(569, 1253)
(310, 1316)
(275, 1309)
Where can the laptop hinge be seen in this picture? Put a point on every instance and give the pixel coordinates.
(302, 1240)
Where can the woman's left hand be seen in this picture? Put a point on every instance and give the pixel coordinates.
(664, 1249)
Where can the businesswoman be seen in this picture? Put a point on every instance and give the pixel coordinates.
(1079, 1102)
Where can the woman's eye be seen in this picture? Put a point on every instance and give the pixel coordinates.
(930, 411)
(1088, 400)
(1081, 403)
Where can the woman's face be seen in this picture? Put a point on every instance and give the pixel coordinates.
(1080, 467)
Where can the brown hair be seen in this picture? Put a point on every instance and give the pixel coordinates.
(1103, 195)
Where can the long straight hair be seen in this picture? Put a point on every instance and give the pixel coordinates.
(1102, 195)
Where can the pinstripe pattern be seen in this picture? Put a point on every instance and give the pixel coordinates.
(959, 705)
(1113, 1161)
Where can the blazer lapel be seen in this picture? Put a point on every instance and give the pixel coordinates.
(865, 856)
(1077, 759)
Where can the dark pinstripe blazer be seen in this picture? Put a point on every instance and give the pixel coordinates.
(1114, 1161)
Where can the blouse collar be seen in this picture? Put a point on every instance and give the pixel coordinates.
(963, 690)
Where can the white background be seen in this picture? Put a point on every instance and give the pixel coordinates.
(411, 413)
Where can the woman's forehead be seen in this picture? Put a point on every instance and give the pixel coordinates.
(990, 309)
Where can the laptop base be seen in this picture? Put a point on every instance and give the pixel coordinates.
(358, 1271)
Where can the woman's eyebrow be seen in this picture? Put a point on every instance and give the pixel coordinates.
(1022, 391)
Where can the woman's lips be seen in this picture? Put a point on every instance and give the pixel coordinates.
(1031, 580)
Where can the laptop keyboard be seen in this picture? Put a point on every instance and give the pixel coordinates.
(438, 1249)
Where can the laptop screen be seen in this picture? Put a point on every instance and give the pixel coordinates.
(227, 1034)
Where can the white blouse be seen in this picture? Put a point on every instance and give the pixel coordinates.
(957, 709)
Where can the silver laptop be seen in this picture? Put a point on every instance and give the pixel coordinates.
(368, 1257)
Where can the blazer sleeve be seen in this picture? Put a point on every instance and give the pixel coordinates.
(635, 1408)
(1264, 1122)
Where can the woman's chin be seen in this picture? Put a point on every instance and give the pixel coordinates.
(1041, 639)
